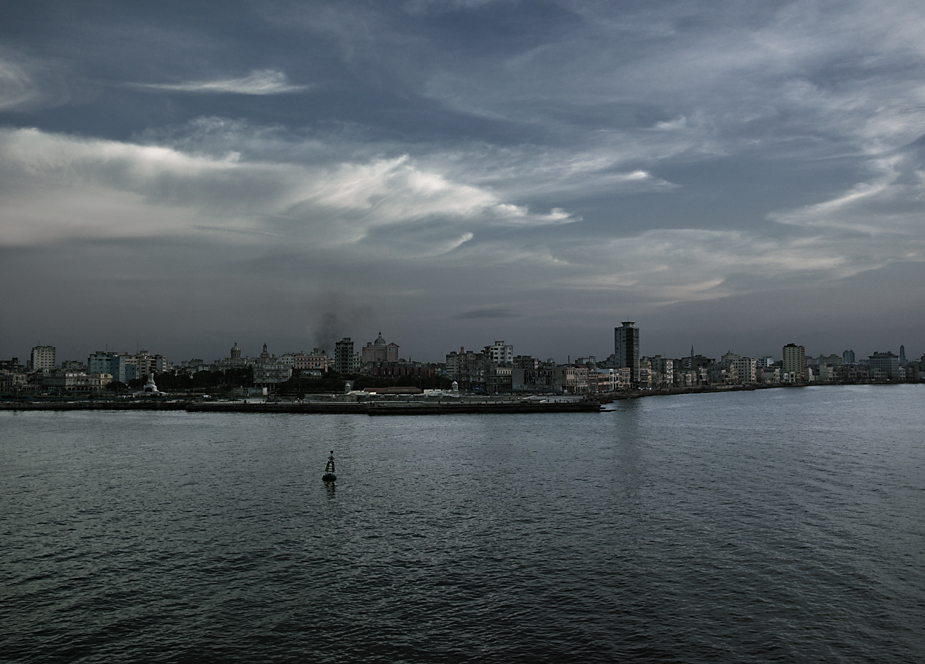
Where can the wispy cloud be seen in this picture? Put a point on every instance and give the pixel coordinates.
(28, 84)
(17, 89)
(263, 82)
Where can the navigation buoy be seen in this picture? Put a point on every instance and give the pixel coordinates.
(329, 475)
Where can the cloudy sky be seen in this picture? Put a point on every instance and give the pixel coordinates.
(732, 175)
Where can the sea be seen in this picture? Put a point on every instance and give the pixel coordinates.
(783, 525)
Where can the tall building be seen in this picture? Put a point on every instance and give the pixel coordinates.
(626, 349)
(43, 358)
(500, 353)
(343, 356)
(794, 363)
(848, 357)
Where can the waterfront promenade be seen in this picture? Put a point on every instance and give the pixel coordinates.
(363, 405)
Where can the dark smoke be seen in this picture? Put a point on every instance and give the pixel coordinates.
(329, 331)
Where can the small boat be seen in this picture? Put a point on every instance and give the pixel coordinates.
(329, 475)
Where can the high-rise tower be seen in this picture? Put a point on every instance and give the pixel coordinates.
(343, 356)
(794, 363)
(626, 349)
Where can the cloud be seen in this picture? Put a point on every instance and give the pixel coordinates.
(17, 90)
(496, 312)
(29, 84)
(888, 204)
(56, 187)
(467, 155)
(423, 216)
(263, 82)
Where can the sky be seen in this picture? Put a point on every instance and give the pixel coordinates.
(730, 175)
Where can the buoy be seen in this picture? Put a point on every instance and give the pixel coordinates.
(329, 475)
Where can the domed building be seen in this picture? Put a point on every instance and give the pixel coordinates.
(379, 351)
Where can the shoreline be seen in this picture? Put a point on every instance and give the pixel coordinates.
(505, 404)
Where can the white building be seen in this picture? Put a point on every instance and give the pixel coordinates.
(745, 369)
(42, 358)
(500, 353)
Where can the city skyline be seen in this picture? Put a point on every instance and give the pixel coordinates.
(617, 349)
(732, 176)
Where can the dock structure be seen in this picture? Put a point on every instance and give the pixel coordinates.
(480, 407)
(368, 407)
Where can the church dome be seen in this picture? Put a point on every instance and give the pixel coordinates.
(380, 341)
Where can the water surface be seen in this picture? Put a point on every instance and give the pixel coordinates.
(780, 525)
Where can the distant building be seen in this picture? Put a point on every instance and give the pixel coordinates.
(75, 381)
(10, 365)
(317, 360)
(468, 368)
(661, 371)
(571, 379)
(235, 360)
(148, 364)
(768, 375)
(12, 380)
(42, 358)
(531, 375)
(379, 351)
(403, 369)
(745, 370)
(604, 379)
(794, 363)
(123, 367)
(626, 349)
(729, 357)
(499, 353)
(884, 366)
(272, 371)
(343, 356)
(848, 357)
